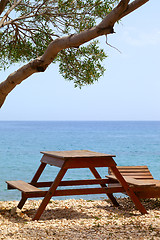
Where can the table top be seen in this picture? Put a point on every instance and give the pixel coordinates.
(77, 159)
(75, 154)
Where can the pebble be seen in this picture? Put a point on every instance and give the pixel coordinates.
(80, 219)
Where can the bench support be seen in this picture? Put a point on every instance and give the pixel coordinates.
(35, 179)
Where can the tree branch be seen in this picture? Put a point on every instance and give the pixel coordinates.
(132, 7)
(8, 12)
(113, 16)
(3, 4)
(40, 64)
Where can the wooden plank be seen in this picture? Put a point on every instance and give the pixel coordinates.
(75, 154)
(23, 186)
(87, 191)
(73, 182)
(135, 174)
(33, 195)
(140, 177)
(133, 181)
(134, 170)
(78, 191)
(89, 162)
(52, 161)
(83, 182)
(154, 181)
(133, 167)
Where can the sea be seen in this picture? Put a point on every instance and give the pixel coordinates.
(133, 143)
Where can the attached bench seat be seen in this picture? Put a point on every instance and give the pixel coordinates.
(134, 182)
(27, 189)
(136, 172)
(140, 179)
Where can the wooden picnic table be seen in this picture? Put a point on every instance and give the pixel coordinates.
(69, 160)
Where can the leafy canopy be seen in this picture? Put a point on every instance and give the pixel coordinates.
(27, 27)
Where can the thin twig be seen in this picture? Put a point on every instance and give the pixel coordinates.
(112, 46)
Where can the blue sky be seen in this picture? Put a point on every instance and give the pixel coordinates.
(129, 89)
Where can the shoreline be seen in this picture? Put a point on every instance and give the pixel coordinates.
(80, 219)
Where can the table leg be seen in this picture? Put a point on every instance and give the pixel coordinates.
(39, 172)
(34, 179)
(128, 190)
(50, 193)
(110, 195)
(22, 202)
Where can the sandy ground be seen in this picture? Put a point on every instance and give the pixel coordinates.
(80, 219)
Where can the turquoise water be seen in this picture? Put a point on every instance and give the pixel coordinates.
(133, 143)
